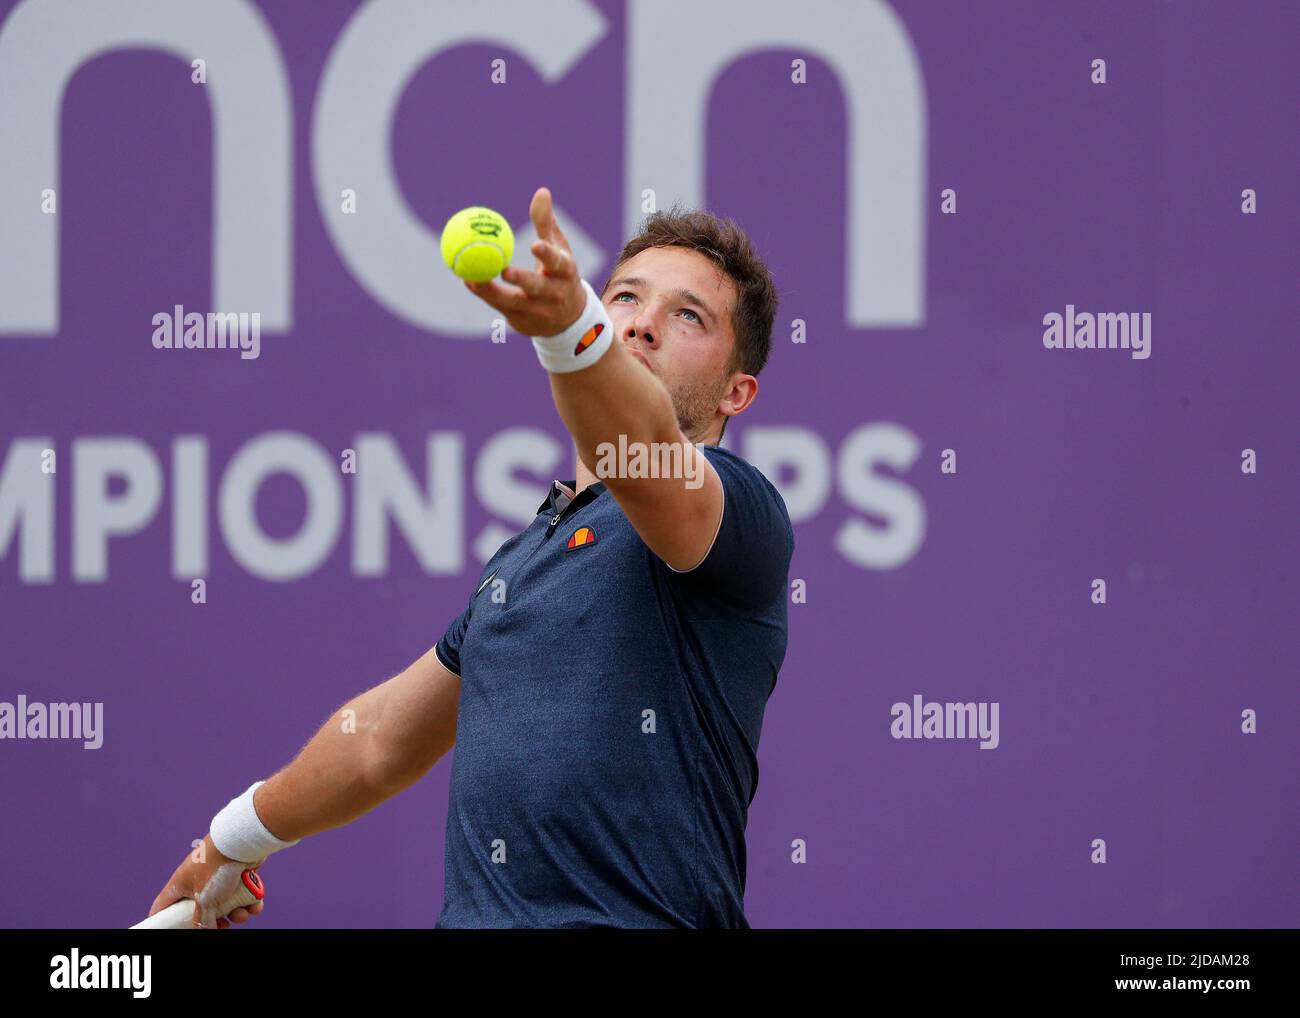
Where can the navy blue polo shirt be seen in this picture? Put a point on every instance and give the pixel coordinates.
(610, 707)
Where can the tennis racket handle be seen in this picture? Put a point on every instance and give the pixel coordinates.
(179, 915)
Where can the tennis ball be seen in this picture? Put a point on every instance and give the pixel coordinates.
(477, 243)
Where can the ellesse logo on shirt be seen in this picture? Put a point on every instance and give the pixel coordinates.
(580, 538)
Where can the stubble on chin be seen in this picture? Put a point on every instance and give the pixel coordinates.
(695, 405)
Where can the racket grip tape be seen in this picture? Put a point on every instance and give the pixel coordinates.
(179, 915)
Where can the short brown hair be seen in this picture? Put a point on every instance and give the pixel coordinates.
(729, 247)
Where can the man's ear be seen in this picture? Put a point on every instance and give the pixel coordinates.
(742, 392)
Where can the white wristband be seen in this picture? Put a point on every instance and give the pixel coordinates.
(239, 834)
(582, 343)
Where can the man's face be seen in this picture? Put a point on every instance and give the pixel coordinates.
(672, 308)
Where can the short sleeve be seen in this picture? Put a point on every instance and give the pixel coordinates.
(749, 560)
(448, 648)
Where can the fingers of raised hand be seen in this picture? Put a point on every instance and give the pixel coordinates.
(554, 258)
(531, 284)
(497, 294)
(541, 212)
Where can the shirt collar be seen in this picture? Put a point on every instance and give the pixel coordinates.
(558, 498)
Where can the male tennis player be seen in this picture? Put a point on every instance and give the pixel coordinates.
(605, 686)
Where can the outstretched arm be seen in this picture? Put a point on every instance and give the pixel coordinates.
(612, 399)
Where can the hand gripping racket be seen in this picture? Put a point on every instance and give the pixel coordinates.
(179, 915)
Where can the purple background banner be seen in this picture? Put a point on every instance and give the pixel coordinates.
(1120, 721)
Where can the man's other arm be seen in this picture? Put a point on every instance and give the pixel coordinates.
(399, 730)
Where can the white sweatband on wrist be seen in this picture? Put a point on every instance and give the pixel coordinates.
(239, 834)
(582, 343)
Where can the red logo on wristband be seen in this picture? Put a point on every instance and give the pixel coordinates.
(588, 338)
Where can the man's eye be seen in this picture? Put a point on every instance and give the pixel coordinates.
(626, 293)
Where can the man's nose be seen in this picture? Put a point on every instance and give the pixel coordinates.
(642, 330)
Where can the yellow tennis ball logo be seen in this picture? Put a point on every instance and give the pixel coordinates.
(477, 243)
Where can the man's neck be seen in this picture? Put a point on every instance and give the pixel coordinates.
(584, 476)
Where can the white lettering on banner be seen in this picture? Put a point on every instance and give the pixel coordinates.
(867, 48)
(96, 515)
(42, 45)
(27, 508)
(430, 517)
(384, 43)
(289, 558)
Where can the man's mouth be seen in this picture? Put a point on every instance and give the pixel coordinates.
(641, 357)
